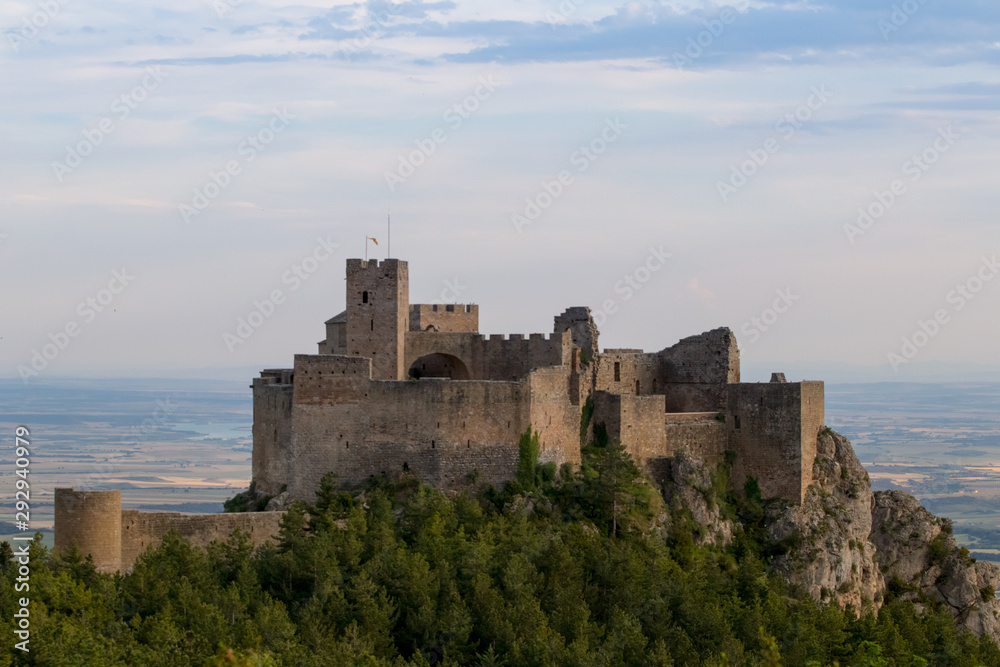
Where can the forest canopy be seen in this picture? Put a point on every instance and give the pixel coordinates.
(560, 567)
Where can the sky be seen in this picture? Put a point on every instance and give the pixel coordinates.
(818, 176)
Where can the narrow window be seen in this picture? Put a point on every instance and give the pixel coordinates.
(432, 444)
(373, 324)
(364, 297)
(636, 387)
(736, 422)
(618, 371)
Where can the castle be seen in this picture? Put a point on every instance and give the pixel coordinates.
(397, 387)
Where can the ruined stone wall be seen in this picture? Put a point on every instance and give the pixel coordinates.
(579, 321)
(378, 314)
(813, 420)
(696, 371)
(554, 415)
(625, 372)
(699, 433)
(772, 429)
(441, 430)
(272, 429)
(635, 421)
(692, 375)
(92, 519)
(444, 318)
(141, 530)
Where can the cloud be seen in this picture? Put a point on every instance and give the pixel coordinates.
(699, 291)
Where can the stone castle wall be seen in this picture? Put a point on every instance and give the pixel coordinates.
(444, 318)
(142, 530)
(497, 357)
(692, 375)
(651, 435)
(773, 429)
(702, 434)
(272, 429)
(115, 538)
(346, 423)
(698, 369)
(554, 415)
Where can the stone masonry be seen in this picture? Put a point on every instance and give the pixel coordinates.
(400, 387)
(415, 388)
(115, 538)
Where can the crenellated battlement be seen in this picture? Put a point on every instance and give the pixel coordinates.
(445, 318)
(416, 387)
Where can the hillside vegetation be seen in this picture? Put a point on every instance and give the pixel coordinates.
(562, 567)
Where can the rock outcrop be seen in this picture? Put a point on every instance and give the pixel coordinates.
(849, 546)
(688, 485)
(829, 551)
(921, 561)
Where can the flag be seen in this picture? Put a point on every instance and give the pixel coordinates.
(374, 240)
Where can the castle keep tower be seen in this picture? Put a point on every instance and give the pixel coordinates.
(93, 519)
(378, 314)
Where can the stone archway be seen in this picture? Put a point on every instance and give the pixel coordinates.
(439, 365)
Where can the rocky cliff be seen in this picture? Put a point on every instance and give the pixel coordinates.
(832, 556)
(853, 547)
(921, 561)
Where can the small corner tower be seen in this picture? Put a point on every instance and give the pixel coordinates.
(378, 314)
(92, 519)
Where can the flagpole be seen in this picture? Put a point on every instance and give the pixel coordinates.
(388, 242)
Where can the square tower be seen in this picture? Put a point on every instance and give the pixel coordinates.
(378, 314)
